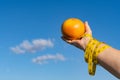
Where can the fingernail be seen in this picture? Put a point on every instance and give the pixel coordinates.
(86, 22)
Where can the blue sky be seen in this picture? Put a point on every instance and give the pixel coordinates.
(30, 43)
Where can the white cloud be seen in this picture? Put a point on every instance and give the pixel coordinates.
(17, 50)
(45, 58)
(32, 47)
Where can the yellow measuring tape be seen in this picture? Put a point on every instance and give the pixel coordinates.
(91, 52)
(99, 51)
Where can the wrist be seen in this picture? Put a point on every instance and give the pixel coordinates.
(85, 42)
(92, 50)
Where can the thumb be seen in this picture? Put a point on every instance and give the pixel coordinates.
(87, 27)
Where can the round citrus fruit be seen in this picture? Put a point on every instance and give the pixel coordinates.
(73, 28)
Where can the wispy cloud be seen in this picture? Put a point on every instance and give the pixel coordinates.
(46, 58)
(33, 46)
(17, 49)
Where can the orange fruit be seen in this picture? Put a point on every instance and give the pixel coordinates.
(73, 28)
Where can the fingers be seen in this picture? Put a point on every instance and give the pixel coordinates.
(66, 40)
(69, 41)
(88, 30)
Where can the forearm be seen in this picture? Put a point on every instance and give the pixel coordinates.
(110, 60)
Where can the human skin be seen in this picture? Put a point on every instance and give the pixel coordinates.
(108, 59)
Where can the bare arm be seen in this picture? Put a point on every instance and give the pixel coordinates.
(109, 58)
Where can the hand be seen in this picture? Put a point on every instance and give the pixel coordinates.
(82, 42)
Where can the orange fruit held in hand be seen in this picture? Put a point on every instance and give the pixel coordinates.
(73, 28)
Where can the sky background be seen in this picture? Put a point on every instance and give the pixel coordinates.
(31, 47)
